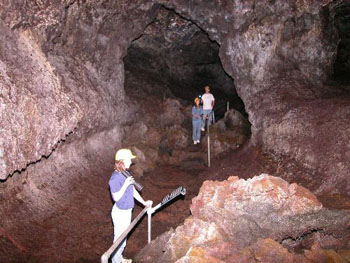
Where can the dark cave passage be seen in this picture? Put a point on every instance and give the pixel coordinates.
(175, 58)
(342, 24)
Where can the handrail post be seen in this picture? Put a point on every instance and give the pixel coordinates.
(149, 214)
(228, 106)
(208, 130)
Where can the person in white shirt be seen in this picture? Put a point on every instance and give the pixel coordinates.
(208, 101)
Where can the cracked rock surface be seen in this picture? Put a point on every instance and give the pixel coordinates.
(263, 219)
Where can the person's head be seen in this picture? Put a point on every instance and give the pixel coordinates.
(197, 101)
(207, 89)
(123, 159)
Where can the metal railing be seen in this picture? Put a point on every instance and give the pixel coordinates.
(105, 257)
(149, 210)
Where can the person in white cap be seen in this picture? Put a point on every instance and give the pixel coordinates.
(123, 193)
(208, 101)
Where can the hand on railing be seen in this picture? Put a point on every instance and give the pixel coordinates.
(148, 203)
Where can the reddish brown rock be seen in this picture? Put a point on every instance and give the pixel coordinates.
(263, 219)
(35, 109)
(229, 133)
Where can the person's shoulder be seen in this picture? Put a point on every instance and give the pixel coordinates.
(116, 175)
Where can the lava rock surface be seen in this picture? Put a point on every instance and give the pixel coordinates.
(252, 220)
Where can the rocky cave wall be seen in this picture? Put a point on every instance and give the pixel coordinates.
(279, 53)
(63, 108)
(81, 46)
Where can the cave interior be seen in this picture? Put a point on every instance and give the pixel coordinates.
(81, 79)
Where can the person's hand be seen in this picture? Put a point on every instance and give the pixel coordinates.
(130, 180)
(148, 203)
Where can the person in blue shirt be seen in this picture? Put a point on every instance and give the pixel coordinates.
(197, 112)
(123, 193)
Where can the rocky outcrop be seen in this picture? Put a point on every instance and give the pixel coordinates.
(35, 109)
(263, 219)
(156, 132)
(229, 133)
(164, 136)
(78, 80)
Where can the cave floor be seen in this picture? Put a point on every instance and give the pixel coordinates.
(245, 163)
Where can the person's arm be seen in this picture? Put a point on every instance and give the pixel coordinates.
(117, 195)
(139, 198)
(193, 113)
(213, 102)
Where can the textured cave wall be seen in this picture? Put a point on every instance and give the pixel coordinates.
(74, 51)
(34, 107)
(62, 97)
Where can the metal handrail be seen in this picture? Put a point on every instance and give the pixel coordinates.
(178, 191)
(108, 253)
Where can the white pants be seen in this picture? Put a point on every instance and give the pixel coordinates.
(121, 220)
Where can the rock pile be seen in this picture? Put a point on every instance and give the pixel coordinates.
(228, 133)
(263, 219)
(164, 136)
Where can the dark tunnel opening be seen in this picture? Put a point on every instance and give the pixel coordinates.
(342, 24)
(175, 58)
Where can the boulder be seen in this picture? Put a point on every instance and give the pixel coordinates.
(145, 161)
(250, 220)
(235, 119)
(228, 133)
(187, 158)
(178, 137)
(172, 113)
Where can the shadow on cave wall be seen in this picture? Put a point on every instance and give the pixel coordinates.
(175, 58)
(342, 62)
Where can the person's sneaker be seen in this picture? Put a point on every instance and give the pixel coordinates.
(125, 260)
(198, 141)
(195, 142)
(203, 129)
